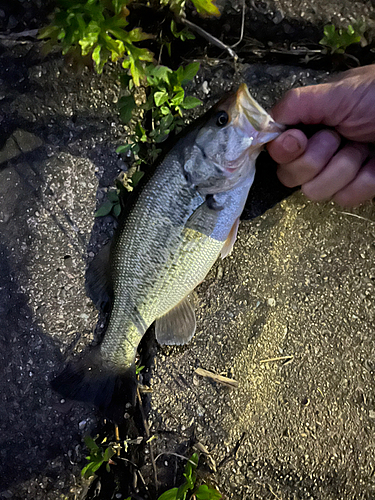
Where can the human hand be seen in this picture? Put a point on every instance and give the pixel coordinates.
(324, 171)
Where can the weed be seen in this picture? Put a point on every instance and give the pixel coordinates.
(189, 489)
(101, 29)
(337, 40)
(98, 456)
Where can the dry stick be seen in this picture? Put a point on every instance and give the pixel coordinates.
(212, 39)
(137, 468)
(228, 382)
(358, 217)
(147, 429)
(279, 358)
(242, 25)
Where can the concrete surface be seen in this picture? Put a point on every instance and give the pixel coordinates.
(298, 286)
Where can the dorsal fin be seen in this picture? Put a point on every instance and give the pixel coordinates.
(98, 279)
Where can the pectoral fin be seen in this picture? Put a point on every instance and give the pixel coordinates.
(177, 326)
(229, 242)
(203, 219)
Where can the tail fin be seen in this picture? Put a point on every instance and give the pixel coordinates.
(89, 380)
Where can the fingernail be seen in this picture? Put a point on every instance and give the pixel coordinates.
(291, 144)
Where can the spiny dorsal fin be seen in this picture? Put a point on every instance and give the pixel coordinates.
(98, 279)
(229, 242)
(177, 326)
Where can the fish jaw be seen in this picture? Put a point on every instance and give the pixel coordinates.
(253, 120)
(225, 155)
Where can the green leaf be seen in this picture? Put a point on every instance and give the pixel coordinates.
(190, 102)
(126, 106)
(104, 209)
(164, 110)
(206, 8)
(189, 72)
(119, 5)
(140, 132)
(138, 369)
(157, 74)
(338, 40)
(206, 493)
(169, 495)
(124, 148)
(182, 491)
(135, 178)
(113, 196)
(91, 38)
(160, 97)
(166, 121)
(178, 98)
(48, 31)
(90, 443)
(184, 34)
(137, 35)
(191, 465)
(116, 211)
(96, 55)
(109, 452)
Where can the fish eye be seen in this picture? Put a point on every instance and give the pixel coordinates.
(222, 119)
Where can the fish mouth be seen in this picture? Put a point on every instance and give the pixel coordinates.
(253, 119)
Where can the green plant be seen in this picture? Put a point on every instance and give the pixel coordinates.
(337, 40)
(189, 489)
(98, 28)
(166, 101)
(97, 457)
(154, 95)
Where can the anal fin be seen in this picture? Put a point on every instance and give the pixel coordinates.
(177, 326)
(229, 242)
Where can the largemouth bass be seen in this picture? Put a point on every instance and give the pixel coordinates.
(182, 219)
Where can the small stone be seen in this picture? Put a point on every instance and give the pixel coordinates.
(271, 302)
(371, 414)
(220, 272)
(82, 425)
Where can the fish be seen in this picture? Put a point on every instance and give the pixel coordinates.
(184, 216)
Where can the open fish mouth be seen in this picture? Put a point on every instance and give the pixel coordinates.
(253, 119)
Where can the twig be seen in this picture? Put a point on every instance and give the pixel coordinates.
(117, 437)
(175, 455)
(242, 25)
(228, 382)
(358, 217)
(137, 469)
(147, 429)
(279, 358)
(233, 454)
(212, 39)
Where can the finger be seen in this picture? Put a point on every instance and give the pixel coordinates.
(288, 146)
(361, 189)
(326, 103)
(339, 172)
(320, 149)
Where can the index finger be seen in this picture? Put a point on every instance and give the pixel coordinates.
(311, 105)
